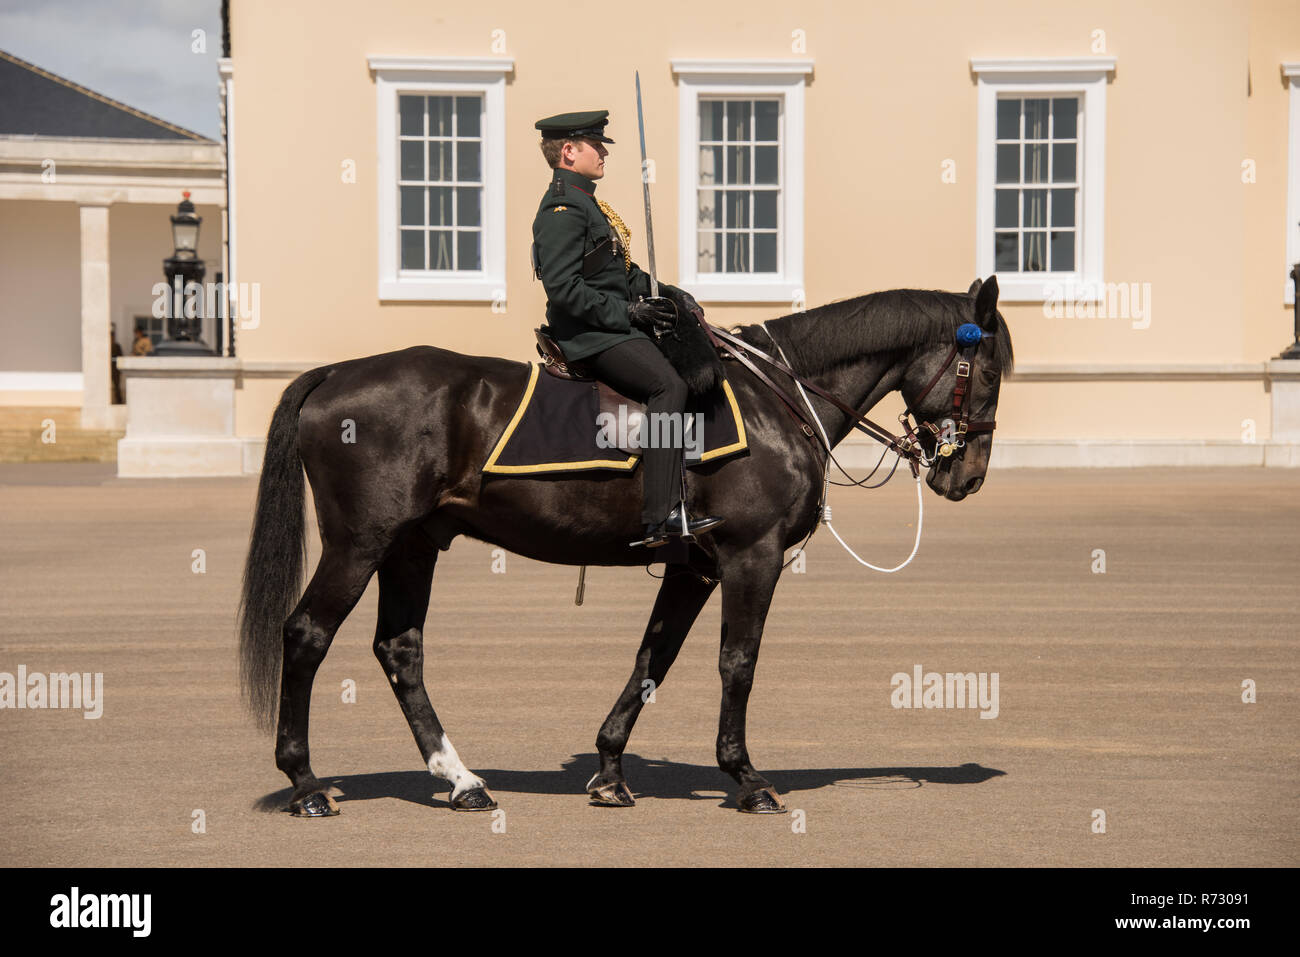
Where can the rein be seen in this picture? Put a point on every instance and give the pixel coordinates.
(907, 446)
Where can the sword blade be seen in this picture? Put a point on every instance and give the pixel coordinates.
(645, 191)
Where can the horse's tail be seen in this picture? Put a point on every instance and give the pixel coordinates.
(277, 552)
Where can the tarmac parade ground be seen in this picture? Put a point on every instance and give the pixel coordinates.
(1119, 693)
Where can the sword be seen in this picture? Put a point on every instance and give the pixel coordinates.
(645, 189)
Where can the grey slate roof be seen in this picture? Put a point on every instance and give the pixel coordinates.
(36, 102)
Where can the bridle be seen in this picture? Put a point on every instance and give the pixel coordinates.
(963, 350)
(909, 445)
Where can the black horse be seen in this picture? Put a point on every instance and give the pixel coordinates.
(425, 421)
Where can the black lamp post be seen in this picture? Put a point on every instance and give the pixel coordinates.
(184, 334)
(1293, 350)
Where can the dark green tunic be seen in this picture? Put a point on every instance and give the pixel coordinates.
(587, 313)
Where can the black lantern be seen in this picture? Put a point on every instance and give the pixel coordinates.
(183, 268)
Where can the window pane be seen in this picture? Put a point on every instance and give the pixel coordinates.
(765, 209)
(440, 162)
(738, 164)
(765, 164)
(710, 120)
(1009, 164)
(1063, 207)
(440, 249)
(467, 165)
(1006, 253)
(1063, 251)
(440, 116)
(710, 208)
(1035, 163)
(411, 111)
(737, 252)
(766, 115)
(467, 115)
(1008, 119)
(412, 248)
(710, 165)
(1036, 119)
(413, 159)
(738, 119)
(468, 206)
(737, 209)
(1035, 208)
(1063, 162)
(1008, 209)
(440, 205)
(1065, 119)
(710, 251)
(765, 252)
(1035, 251)
(412, 206)
(467, 248)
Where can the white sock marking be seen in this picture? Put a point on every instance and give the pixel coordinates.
(446, 764)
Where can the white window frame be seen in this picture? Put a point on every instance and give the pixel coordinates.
(1084, 77)
(785, 79)
(1292, 72)
(431, 76)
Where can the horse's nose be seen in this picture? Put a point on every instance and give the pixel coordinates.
(973, 485)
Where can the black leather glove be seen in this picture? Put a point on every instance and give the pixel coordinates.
(651, 316)
(685, 301)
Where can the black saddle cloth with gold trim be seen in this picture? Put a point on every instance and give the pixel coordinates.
(565, 425)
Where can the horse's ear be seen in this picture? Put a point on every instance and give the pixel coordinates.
(986, 304)
(974, 287)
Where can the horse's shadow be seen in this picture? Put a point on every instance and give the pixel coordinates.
(648, 777)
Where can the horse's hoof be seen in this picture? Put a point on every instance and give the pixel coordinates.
(475, 799)
(615, 794)
(316, 804)
(762, 801)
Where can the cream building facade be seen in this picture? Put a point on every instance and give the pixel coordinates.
(1130, 171)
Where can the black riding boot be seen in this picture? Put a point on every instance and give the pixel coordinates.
(678, 524)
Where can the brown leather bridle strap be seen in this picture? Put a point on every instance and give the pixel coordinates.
(737, 347)
(788, 401)
(937, 376)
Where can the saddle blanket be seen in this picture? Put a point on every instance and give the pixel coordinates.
(564, 425)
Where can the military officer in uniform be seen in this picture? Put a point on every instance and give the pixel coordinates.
(596, 305)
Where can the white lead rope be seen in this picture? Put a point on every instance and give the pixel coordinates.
(826, 508)
(826, 520)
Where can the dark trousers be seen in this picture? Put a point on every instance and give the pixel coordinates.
(638, 369)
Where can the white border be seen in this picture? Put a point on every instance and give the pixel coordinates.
(484, 75)
(1083, 75)
(784, 78)
(1292, 72)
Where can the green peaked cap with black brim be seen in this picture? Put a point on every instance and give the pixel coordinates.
(574, 126)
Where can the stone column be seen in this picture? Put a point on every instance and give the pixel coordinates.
(96, 396)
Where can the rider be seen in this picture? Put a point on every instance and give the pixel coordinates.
(596, 307)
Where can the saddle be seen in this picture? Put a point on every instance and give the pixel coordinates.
(552, 426)
(554, 362)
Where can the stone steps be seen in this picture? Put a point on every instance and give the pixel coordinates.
(25, 436)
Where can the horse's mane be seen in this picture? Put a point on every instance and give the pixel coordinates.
(828, 336)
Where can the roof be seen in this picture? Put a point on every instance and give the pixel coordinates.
(36, 102)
